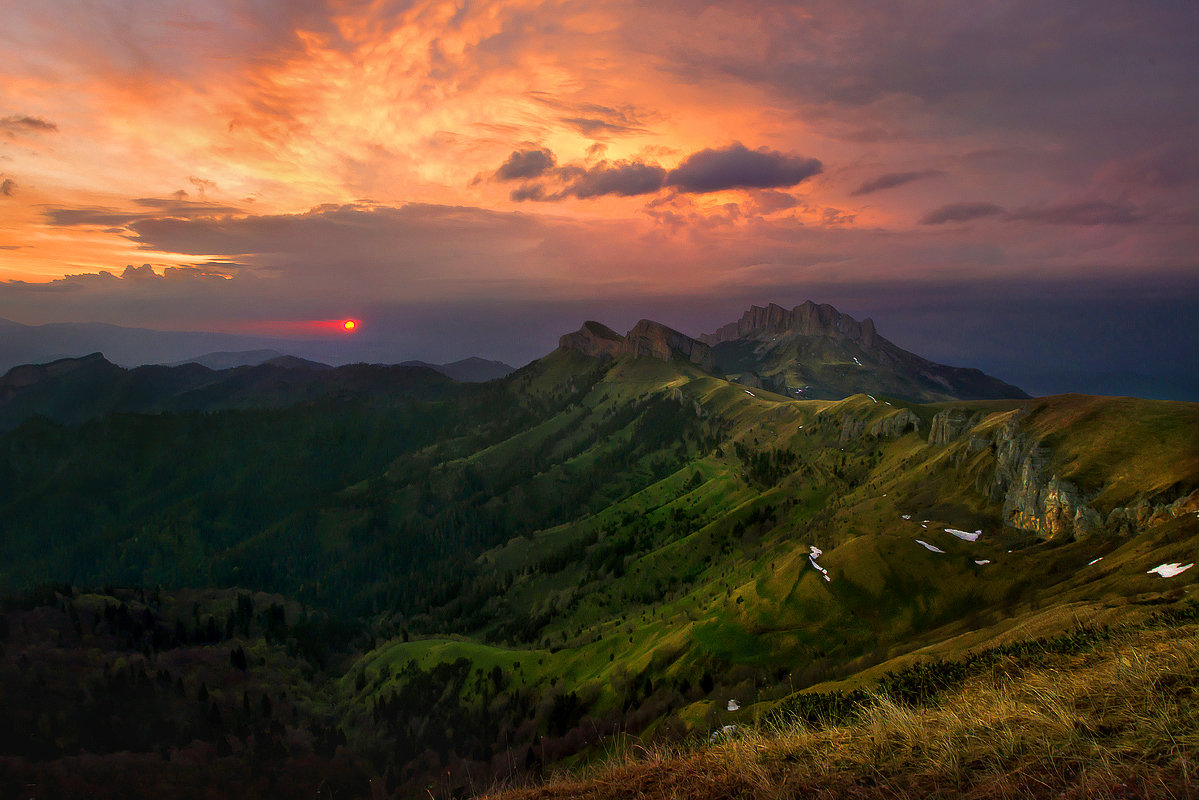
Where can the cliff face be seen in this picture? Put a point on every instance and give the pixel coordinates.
(647, 338)
(1032, 497)
(807, 319)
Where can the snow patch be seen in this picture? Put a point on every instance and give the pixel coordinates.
(965, 536)
(872, 397)
(930, 547)
(1089, 563)
(982, 562)
(734, 705)
(906, 516)
(855, 360)
(748, 392)
(815, 553)
(1170, 570)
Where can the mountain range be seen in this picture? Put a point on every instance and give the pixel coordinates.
(383, 581)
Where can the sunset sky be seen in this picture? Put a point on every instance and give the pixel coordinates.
(1011, 185)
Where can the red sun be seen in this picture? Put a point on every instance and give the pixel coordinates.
(350, 325)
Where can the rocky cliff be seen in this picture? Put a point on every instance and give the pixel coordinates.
(646, 339)
(1031, 495)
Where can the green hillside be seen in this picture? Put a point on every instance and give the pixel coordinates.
(498, 579)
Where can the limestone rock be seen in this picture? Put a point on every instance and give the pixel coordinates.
(951, 424)
(895, 425)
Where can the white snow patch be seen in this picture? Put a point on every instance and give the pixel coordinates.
(923, 525)
(815, 553)
(734, 705)
(906, 516)
(1089, 563)
(748, 392)
(872, 397)
(1170, 570)
(982, 562)
(886, 402)
(965, 536)
(930, 547)
(855, 360)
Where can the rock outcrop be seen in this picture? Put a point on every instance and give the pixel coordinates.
(895, 425)
(594, 339)
(1031, 496)
(647, 338)
(951, 424)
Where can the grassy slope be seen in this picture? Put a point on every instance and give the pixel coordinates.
(714, 584)
(1117, 721)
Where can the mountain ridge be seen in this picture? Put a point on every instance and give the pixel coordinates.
(809, 352)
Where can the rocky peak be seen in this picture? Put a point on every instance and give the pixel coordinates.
(808, 319)
(647, 338)
(594, 339)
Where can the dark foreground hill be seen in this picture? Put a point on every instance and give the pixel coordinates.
(419, 592)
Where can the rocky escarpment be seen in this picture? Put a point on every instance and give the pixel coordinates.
(1031, 495)
(807, 319)
(647, 338)
(891, 426)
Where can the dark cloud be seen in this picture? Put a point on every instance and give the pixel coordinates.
(960, 212)
(1096, 212)
(17, 124)
(525, 164)
(529, 191)
(622, 178)
(7, 187)
(893, 179)
(738, 167)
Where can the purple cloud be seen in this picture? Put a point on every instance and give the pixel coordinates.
(525, 164)
(738, 167)
(893, 179)
(622, 178)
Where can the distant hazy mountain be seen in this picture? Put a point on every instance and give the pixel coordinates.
(40, 344)
(72, 390)
(231, 359)
(468, 370)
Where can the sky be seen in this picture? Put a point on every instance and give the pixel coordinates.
(1010, 185)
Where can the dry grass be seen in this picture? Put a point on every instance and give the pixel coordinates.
(1113, 724)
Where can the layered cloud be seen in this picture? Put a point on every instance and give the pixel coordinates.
(733, 166)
